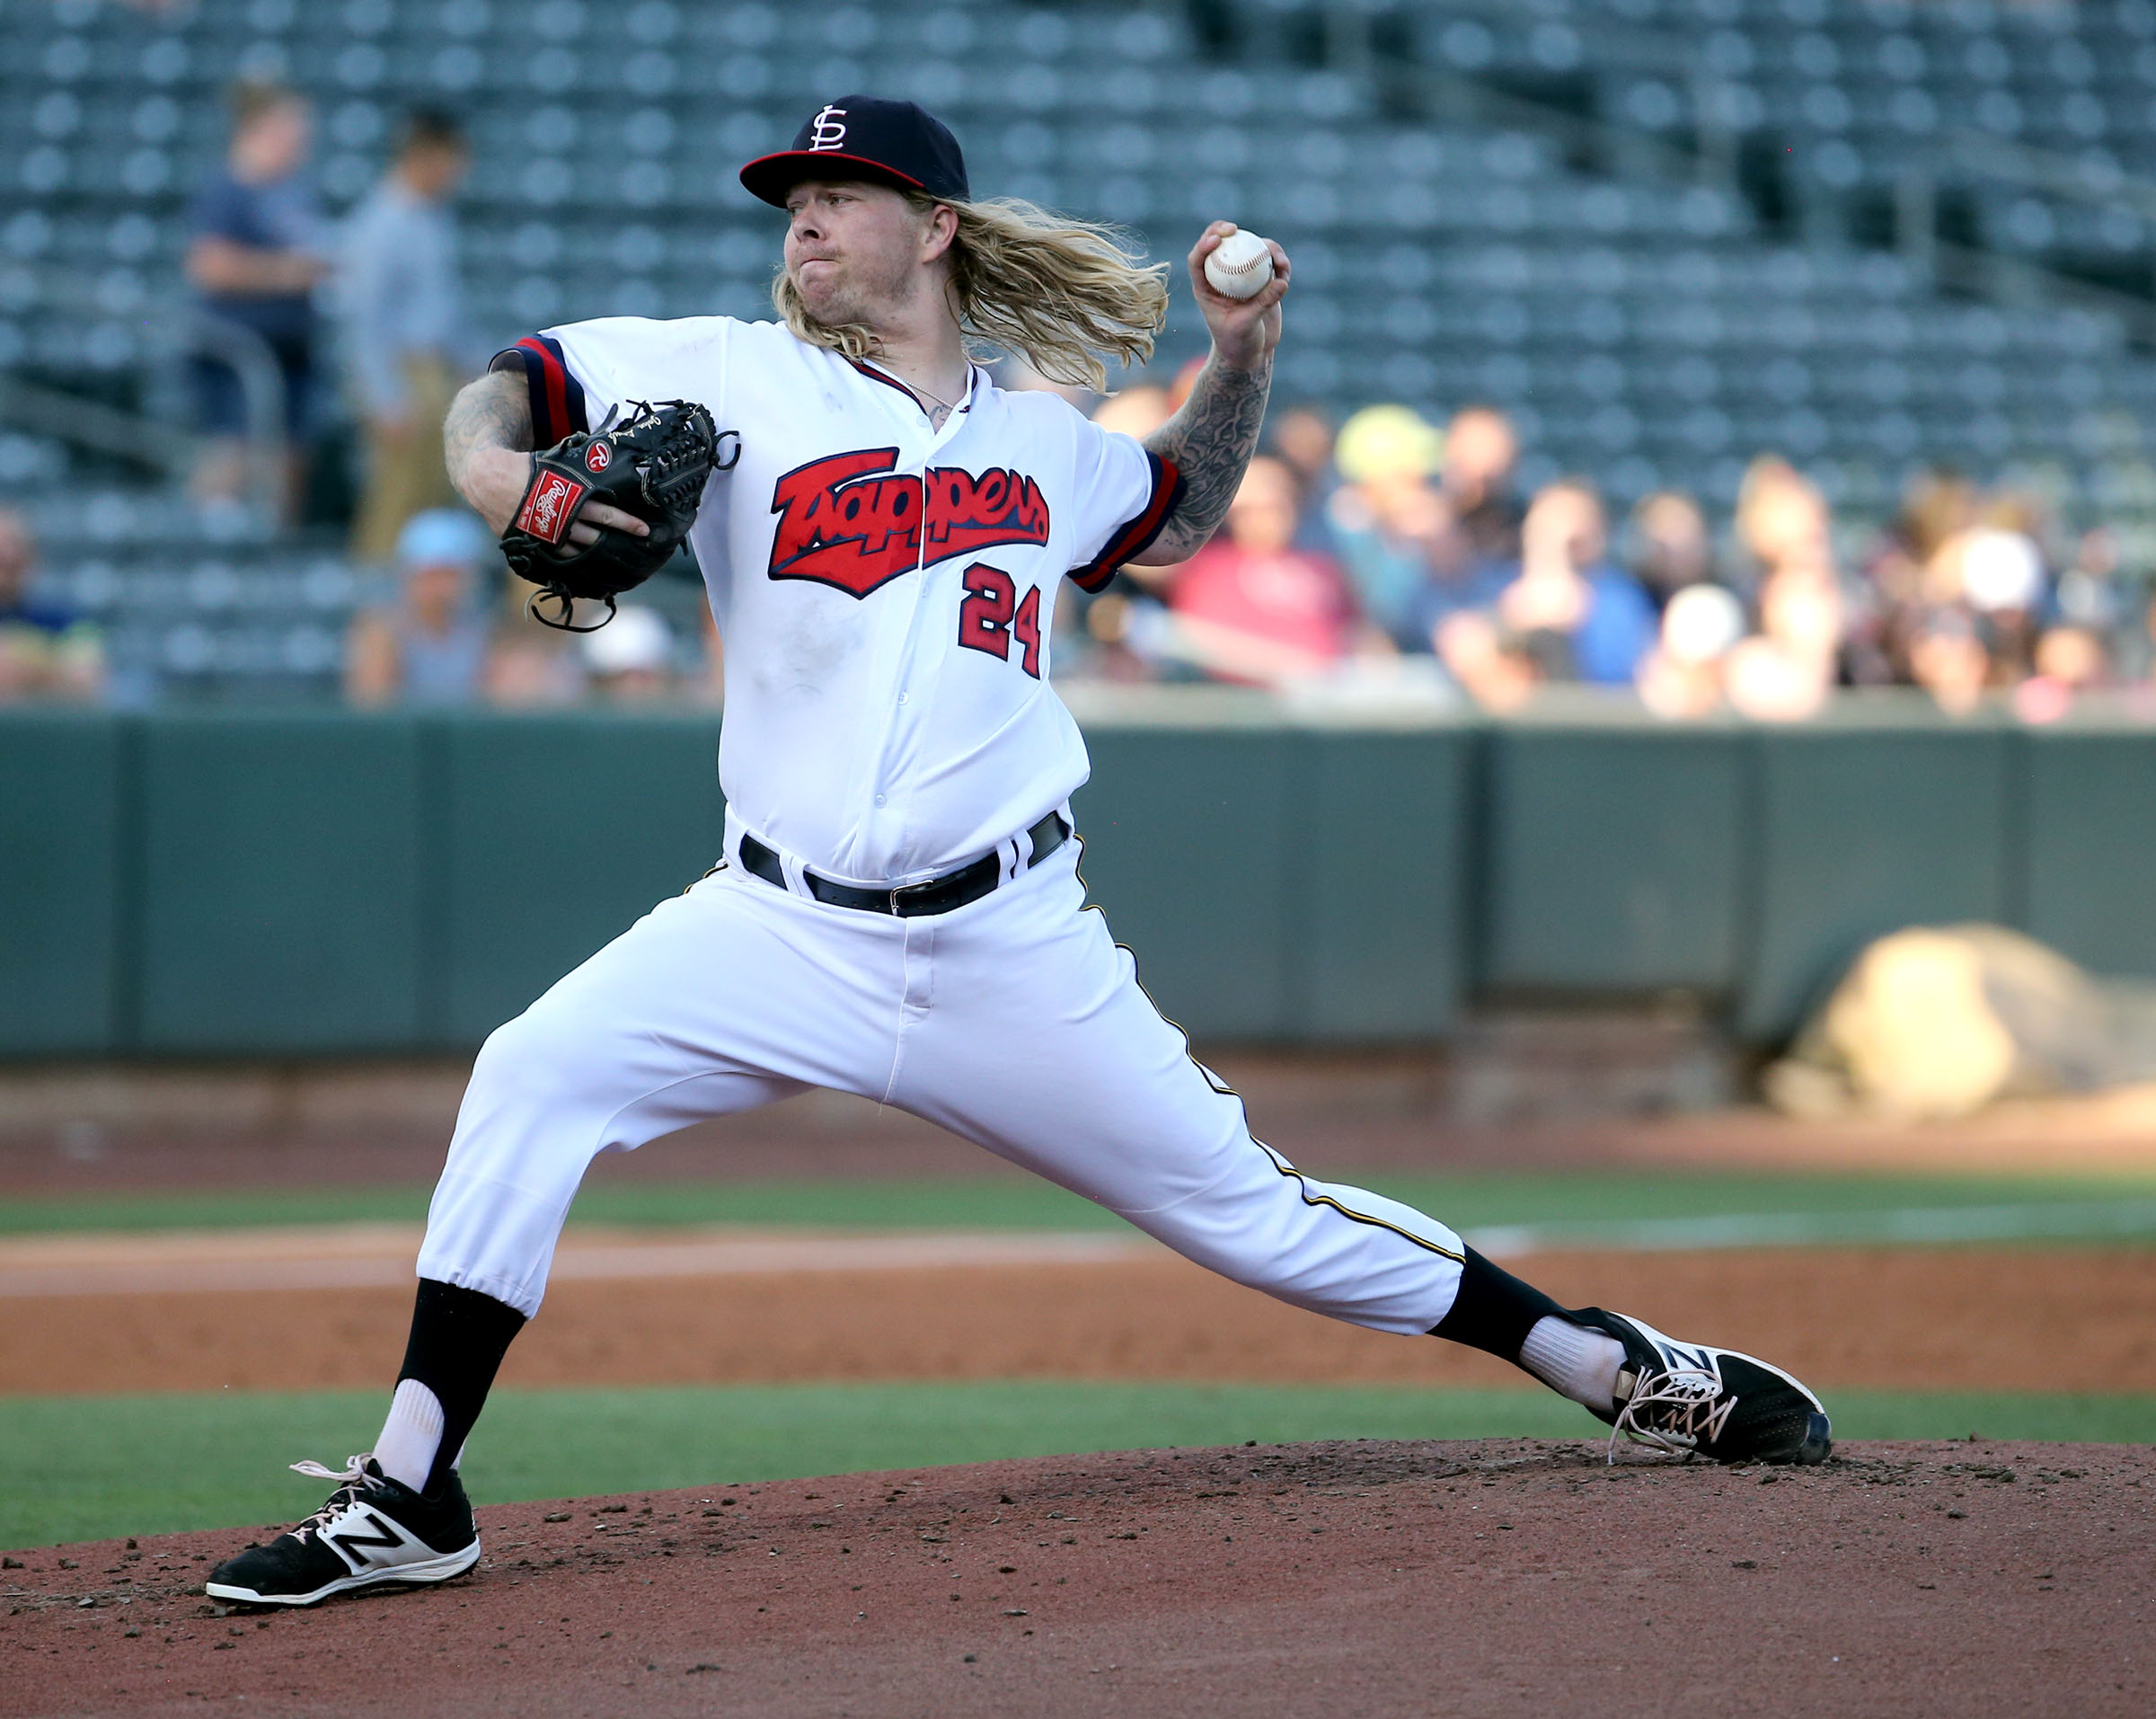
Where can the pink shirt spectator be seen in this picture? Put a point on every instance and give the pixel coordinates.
(1286, 597)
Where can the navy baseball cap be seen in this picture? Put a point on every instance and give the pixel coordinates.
(865, 136)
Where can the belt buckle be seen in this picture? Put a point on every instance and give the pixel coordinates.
(899, 894)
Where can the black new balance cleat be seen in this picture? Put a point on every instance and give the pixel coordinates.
(372, 1531)
(1692, 1398)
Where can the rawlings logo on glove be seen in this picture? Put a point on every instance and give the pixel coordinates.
(652, 464)
(551, 503)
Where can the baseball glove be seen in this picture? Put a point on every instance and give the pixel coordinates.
(652, 464)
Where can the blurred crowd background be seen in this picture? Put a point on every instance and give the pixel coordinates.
(1395, 550)
(1699, 356)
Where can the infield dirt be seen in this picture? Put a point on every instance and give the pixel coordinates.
(2032, 1319)
(1490, 1578)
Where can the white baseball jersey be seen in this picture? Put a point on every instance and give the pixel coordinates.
(885, 589)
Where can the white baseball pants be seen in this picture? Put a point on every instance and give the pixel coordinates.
(1015, 1022)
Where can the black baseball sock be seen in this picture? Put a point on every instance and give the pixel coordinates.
(1515, 1322)
(458, 1339)
(1493, 1310)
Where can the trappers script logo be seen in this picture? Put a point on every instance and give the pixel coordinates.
(851, 521)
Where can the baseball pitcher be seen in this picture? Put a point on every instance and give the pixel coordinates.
(897, 912)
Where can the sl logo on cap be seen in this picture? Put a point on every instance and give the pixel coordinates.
(827, 132)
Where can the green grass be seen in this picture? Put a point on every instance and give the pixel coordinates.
(1463, 1199)
(88, 1467)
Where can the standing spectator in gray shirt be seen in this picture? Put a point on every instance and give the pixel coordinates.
(403, 315)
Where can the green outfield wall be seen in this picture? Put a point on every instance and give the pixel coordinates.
(278, 884)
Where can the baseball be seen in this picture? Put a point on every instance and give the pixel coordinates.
(1238, 265)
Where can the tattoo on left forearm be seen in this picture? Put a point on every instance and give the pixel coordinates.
(1210, 442)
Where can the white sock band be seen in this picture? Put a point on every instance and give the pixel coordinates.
(413, 1433)
(1573, 1362)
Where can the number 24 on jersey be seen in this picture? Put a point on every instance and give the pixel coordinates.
(991, 617)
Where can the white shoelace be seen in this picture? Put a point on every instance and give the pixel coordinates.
(354, 1474)
(1683, 1410)
(353, 1469)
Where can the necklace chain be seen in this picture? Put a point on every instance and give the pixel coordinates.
(947, 405)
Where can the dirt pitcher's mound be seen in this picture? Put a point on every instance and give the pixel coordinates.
(1366, 1578)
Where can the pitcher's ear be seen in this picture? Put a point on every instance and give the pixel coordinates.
(941, 227)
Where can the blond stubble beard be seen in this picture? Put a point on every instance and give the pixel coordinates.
(854, 304)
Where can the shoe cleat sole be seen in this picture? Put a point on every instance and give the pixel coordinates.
(419, 1572)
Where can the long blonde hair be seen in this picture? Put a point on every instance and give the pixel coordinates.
(1062, 294)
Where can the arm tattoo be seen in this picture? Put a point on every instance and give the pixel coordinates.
(494, 412)
(1210, 442)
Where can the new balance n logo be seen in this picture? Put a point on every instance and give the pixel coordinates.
(350, 1543)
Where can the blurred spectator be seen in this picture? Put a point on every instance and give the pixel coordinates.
(1302, 436)
(1250, 605)
(1480, 452)
(1137, 411)
(1784, 672)
(631, 658)
(529, 666)
(2000, 573)
(258, 250)
(709, 688)
(1947, 660)
(1572, 614)
(2088, 593)
(1900, 588)
(1013, 375)
(404, 338)
(1937, 505)
(2069, 661)
(1781, 519)
(1683, 675)
(1495, 670)
(1183, 382)
(430, 647)
(1670, 545)
(45, 650)
(1093, 634)
(1394, 529)
(1809, 628)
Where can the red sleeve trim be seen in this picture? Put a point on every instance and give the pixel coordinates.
(557, 396)
(1136, 535)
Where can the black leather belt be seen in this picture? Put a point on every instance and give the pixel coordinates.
(910, 901)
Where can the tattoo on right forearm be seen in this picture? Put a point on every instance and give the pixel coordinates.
(1210, 442)
(494, 412)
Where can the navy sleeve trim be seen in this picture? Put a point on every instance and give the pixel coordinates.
(1135, 536)
(557, 396)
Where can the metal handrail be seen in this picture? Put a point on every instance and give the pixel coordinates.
(1999, 275)
(1453, 96)
(2046, 170)
(111, 429)
(261, 392)
(93, 424)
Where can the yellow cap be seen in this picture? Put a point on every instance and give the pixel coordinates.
(1382, 441)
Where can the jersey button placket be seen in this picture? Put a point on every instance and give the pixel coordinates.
(894, 843)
